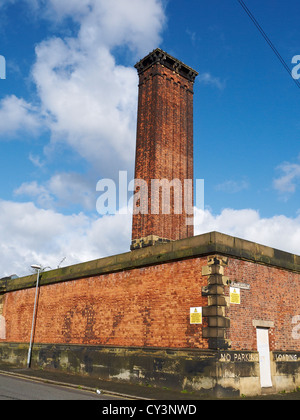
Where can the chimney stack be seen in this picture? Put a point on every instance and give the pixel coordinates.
(163, 196)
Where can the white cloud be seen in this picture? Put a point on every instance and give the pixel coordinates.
(18, 116)
(36, 160)
(135, 23)
(208, 79)
(39, 192)
(87, 100)
(90, 99)
(72, 188)
(61, 190)
(287, 183)
(31, 235)
(279, 232)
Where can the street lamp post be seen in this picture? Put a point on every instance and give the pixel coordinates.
(38, 268)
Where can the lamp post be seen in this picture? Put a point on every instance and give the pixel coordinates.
(38, 268)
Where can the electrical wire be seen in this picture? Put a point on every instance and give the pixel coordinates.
(268, 41)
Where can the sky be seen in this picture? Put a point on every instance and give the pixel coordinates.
(68, 109)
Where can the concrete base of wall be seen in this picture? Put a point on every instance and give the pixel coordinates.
(209, 373)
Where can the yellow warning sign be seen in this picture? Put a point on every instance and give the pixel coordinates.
(196, 315)
(235, 295)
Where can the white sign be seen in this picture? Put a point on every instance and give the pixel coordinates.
(240, 285)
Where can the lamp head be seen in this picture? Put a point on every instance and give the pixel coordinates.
(37, 267)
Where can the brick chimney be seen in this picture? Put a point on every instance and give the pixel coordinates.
(164, 151)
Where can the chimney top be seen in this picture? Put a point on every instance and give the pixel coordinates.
(165, 59)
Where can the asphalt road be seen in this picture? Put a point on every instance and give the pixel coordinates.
(12, 388)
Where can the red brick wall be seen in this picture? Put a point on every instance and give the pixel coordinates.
(150, 307)
(142, 307)
(274, 296)
(164, 145)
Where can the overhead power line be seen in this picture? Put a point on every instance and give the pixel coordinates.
(268, 41)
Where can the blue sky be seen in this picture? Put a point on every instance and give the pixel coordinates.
(68, 118)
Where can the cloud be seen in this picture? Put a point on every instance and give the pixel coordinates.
(287, 183)
(90, 101)
(18, 117)
(87, 100)
(61, 190)
(33, 190)
(279, 232)
(192, 36)
(208, 79)
(36, 160)
(32, 235)
(135, 23)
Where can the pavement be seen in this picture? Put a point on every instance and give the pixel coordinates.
(123, 390)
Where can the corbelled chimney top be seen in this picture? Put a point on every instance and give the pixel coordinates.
(165, 59)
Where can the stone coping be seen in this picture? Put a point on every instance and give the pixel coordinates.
(196, 246)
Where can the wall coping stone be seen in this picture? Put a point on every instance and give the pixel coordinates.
(193, 247)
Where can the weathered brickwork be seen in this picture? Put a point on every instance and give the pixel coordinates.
(273, 297)
(150, 306)
(164, 145)
(142, 307)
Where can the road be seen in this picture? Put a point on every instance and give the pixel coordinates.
(19, 388)
(12, 388)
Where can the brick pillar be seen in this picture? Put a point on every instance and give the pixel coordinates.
(164, 151)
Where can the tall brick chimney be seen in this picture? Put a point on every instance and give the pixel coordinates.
(164, 151)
